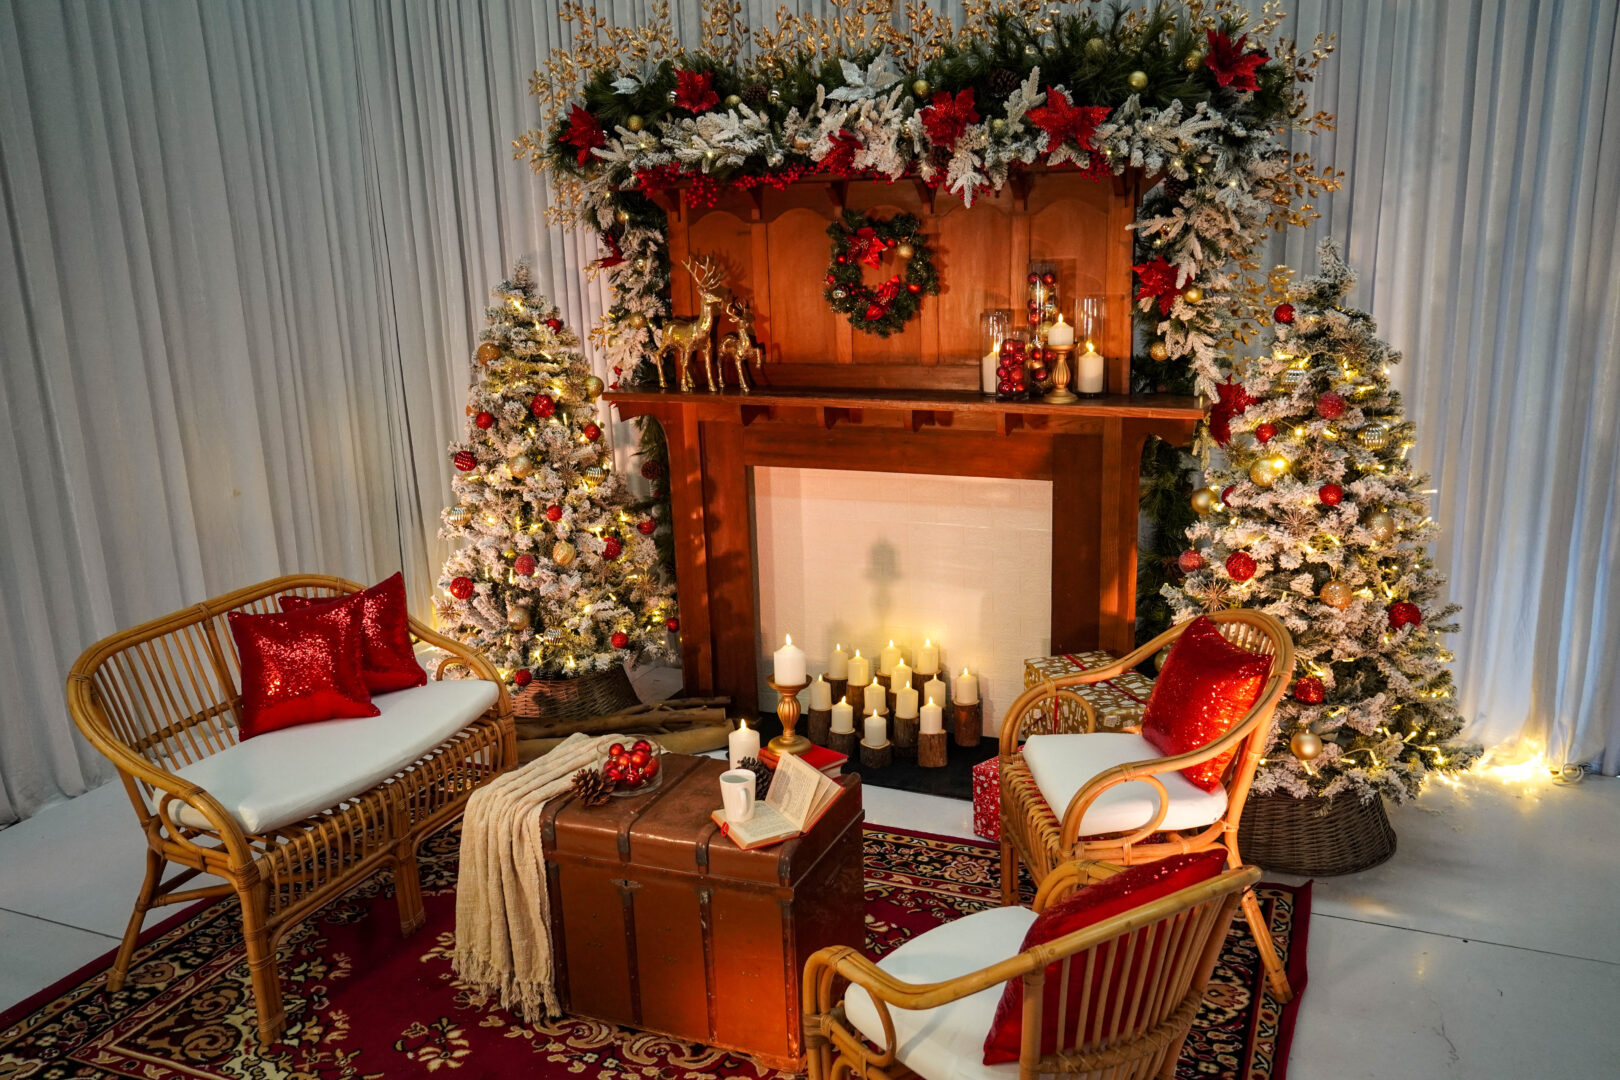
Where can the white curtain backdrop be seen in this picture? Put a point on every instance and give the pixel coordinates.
(248, 245)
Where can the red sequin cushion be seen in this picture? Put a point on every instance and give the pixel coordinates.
(1113, 896)
(300, 667)
(387, 659)
(1206, 687)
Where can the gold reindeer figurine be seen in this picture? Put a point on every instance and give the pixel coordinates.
(691, 338)
(738, 346)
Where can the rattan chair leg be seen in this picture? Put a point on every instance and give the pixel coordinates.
(1009, 870)
(132, 932)
(408, 890)
(261, 957)
(1268, 948)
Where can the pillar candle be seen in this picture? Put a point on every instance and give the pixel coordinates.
(877, 730)
(933, 722)
(967, 688)
(843, 720)
(1061, 333)
(928, 657)
(934, 690)
(876, 699)
(905, 702)
(790, 669)
(889, 657)
(1089, 373)
(900, 676)
(838, 664)
(821, 694)
(860, 670)
(987, 370)
(742, 743)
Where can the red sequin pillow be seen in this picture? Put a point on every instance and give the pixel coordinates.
(1121, 893)
(1206, 687)
(300, 667)
(387, 658)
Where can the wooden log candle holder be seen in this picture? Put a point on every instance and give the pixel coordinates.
(820, 726)
(839, 687)
(968, 723)
(842, 742)
(931, 750)
(905, 736)
(877, 757)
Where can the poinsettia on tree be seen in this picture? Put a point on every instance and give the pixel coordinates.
(560, 574)
(1317, 517)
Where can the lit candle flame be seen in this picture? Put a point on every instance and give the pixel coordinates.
(790, 639)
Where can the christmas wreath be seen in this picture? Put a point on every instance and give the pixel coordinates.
(859, 241)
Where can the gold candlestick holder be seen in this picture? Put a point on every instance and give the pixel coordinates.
(787, 710)
(1061, 394)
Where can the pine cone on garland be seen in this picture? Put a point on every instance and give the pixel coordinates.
(1003, 81)
(591, 788)
(756, 96)
(1174, 189)
(762, 775)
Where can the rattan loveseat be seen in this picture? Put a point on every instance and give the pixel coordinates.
(162, 700)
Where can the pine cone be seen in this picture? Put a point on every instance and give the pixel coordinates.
(1174, 189)
(591, 788)
(1003, 81)
(939, 158)
(755, 96)
(762, 775)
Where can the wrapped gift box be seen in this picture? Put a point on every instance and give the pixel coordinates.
(1119, 701)
(987, 799)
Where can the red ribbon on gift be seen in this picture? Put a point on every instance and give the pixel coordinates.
(1071, 658)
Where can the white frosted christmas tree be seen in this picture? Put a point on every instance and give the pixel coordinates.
(1317, 517)
(556, 575)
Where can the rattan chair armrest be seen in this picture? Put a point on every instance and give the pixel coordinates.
(469, 658)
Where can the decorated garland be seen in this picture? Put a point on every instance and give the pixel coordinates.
(859, 241)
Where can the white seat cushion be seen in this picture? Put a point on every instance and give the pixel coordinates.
(1061, 765)
(285, 775)
(946, 1043)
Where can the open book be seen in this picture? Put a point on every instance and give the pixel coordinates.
(797, 797)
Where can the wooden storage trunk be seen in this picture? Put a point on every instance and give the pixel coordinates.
(662, 923)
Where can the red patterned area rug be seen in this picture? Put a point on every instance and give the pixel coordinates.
(363, 1004)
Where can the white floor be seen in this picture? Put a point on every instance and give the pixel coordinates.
(1488, 947)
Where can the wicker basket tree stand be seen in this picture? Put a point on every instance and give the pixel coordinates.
(1315, 837)
(545, 701)
(549, 710)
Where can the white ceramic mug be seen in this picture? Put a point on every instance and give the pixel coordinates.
(737, 793)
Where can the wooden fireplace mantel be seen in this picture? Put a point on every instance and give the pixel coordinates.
(1089, 451)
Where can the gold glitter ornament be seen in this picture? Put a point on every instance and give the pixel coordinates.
(1336, 594)
(1373, 436)
(635, 123)
(622, 216)
(518, 618)
(1159, 351)
(1096, 47)
(595, 475)
(458, 517)
(593, 387)
(904, 250)
(1138, 80)
(1205, 499)
(521, 466)
(1305, 745)
(636, 319)
(563, 553)
(1194, 60)
(1382, 525)
(509, 554)
(921, 88)
(1192, 294)
(732, 101)
(1263, 473)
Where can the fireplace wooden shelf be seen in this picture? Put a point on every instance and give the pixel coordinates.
(1090, 452)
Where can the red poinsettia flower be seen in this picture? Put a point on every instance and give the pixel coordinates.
(614, 255)
(946, 117)
(694, 91)
(867, 246)
(583, 133)
(1063, 121)
(1232, 66)
(1233, 400)
(1158, 280)
(840, 160)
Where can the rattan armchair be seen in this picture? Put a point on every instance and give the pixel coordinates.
(1151, 967)
(166, 694)
(1044, 837)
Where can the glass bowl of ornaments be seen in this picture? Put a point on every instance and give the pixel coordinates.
(632, 767)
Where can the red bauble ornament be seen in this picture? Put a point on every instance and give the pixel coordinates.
(1264, 433)
(841, 259)
(874, 312)
(554, 324)
(619, 639)
(592, 432)
(1049, 278)
(1404, 613)
(485, 420)
(1189, 561)
(1032, 279)
(651, 470)
(672, 624)
(461, 587)
(465, 460)
(523, 676)
(1309, 690)
(1240, 565)
(1330, 406)
(524, 565)
(1330, 494)
(612, 547)
(651, 768)
(832, 279)
(542, 406)
(647, 527)
(913, 287)
(553, 512)
(1284, 313)
(1226, 492)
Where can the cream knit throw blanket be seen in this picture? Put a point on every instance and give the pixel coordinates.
(503, 916)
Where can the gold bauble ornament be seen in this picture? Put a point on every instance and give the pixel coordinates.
(1278, 463)
(635, 123)
(562, 553)
(458, 517)
(622, 216)
(509, 554)
(1293, 379)
(1382, 525)
(998, 125)
(1263, 473)
(593, 387)
(732, 101)
(521, 466)
(1373, 436)
(904, 250)
(1336, 594)
(1192, 294)
(636, 319)
(488, 352)
(595, 475)
(1159, 351)
(518, 618)
(1163, 655)
(641, 266)
(1138, 80)
(1305, 745)
(1096, 46)
(921, 88)
(1205, 499)
(1194, 60)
